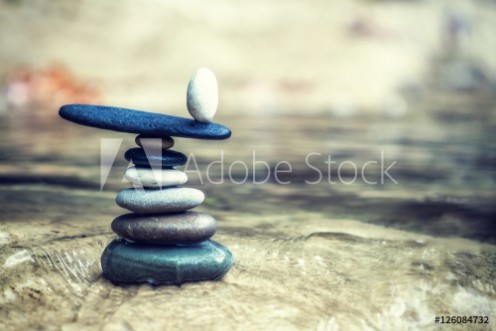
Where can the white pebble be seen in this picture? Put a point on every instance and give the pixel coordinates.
(202, 95)
(155, 177)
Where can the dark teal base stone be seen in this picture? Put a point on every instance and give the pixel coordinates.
(132, 263)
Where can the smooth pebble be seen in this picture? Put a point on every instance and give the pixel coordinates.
(165, 159)
(202, 95)
(182, 228)
(153, 143)
(131, 263)
(146, 123)
(147, 177)
(168, 200)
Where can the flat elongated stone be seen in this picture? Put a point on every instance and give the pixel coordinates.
(146, 177)
(169, 229)
(168, 158)
(154, 143)
(133, 263)
(169, 200)
(146, 123)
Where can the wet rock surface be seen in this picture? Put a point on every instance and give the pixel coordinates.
(299, 270)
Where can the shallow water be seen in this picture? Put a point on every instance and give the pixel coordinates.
(319, 257)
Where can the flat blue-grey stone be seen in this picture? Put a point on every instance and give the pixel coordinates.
(133, 263)
(164, 201)
(167, 159)
(146, 123)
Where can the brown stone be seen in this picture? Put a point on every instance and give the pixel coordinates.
(153, 142)
(168, 229)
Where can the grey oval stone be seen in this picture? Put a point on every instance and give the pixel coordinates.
(133, 263)
(184, 228)
(168, 200)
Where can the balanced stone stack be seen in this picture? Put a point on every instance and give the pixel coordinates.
(161, 241)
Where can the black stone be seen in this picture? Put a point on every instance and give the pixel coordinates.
(146, 123)
(169, 158)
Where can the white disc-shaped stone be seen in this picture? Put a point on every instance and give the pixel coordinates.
(155, 177)
(202, 95)
(169, 200)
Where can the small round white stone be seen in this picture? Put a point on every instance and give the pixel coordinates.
(155, 177)
(170, 200)
(202, 96)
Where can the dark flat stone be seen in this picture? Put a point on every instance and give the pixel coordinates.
(146, 123)
(133, 263)
(166, 229)
(169, 158)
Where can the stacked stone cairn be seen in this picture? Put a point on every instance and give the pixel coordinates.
(161, 241)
